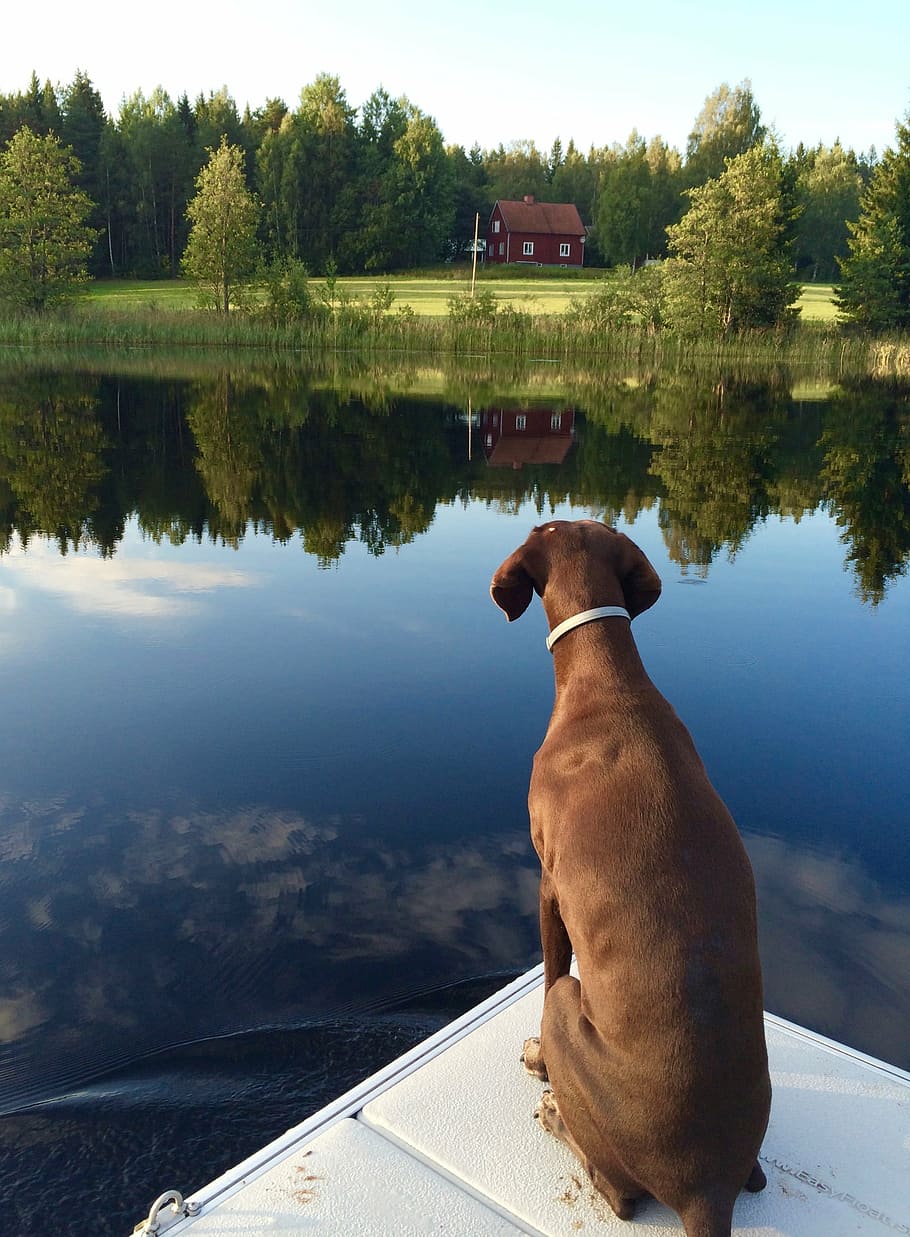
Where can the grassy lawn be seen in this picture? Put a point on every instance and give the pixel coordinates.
(128, 294)
(425, 295)
(816, 302)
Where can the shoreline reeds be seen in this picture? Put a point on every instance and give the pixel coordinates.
(824, 350)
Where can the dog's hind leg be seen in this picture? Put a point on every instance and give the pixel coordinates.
(554, 939)
(619, 1192)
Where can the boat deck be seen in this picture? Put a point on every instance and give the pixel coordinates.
(443, 1141)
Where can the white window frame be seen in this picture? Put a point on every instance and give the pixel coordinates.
(527, 249)
(495, 225)
(556, 421)
(565, 249)
(521, 422)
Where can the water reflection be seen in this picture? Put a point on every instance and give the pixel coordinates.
(246, 797)
(134, 588)
(79, 455)
(121, 933)
(835, 945)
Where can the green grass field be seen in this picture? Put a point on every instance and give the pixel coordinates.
(425, 295)
(816, 302)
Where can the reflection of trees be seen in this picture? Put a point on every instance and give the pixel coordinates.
(230, 459)
(50, 454)
(866, 475)
(79, 456)
(714, 465)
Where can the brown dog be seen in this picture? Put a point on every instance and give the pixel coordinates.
(656, 1054)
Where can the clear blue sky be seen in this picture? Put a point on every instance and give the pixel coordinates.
(498, 71)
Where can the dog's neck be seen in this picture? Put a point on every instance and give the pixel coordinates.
(582, 646)
(584, 616)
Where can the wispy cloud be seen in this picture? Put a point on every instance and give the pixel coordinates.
(119, 587)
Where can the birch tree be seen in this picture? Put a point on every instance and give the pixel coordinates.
(45, 241)
(223, 249)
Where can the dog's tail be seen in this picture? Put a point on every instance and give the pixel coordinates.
(708, 1217)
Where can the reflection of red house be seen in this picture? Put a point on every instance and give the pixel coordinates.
(540, 233)
(513, 437)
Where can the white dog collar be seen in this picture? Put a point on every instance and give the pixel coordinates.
(586, 616)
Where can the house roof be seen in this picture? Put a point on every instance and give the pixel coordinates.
(553, 218)
(511, 452)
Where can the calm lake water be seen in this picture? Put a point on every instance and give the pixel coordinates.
(266, 740)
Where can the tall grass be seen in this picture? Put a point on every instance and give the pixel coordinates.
(822, 349)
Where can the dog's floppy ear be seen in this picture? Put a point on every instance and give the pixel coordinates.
(640, 583)
(512, 587)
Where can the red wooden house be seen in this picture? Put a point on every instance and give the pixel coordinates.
(541, 233)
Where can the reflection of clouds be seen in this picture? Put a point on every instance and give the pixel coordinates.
(833, 944)
(140, 930)
(153, 927)
(19, 1015)
(384, 899)
(124, 587)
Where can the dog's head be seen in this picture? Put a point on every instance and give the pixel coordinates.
(584, 557)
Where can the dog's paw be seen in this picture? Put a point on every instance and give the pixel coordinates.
(547, 1113)
(532, 1059)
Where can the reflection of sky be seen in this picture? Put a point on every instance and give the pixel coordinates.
(129, 585)
(125, 932)
(382, 717)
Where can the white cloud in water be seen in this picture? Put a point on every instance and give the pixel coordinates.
(120, 587)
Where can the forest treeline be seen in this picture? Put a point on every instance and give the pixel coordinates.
(80, 455)
(375, 188)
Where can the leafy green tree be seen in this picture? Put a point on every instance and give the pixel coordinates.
(44, 238)
(368, 244)
(515, 171)
(575, 181)
(223, 248)
(41, 107)
(470, 198)
(158, 141)
(623, 205)
(403, 207)
(828, 189)
(728, 125)
(262, 121)
(319, 171)
(875, 288)
(638, 199)
(216, 117)
(115, 199)
(731, 266)
(83, 129)
(420, 192)
(555, 159)
(666, 200)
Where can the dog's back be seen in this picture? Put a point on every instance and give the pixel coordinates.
(656, 1055)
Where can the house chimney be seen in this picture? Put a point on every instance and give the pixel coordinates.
(529, 199)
